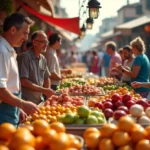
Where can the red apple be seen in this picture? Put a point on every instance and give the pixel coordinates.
(98, 105)
(118, 114)
(126, 98)
(124, 108)
(116, 98)
(108, 105)
(118, 104)
(143, 103)
(108, 113)
(130, 103)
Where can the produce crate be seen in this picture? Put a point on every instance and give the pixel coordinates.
(79, 129)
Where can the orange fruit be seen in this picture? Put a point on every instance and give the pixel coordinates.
(75, 144)
(90, 130)
(7, 130)
(25, 147)
(22, 136)
(126, 147)
(106, 144)
(58, 127)
(126, 123)
(148, 131)
(143, 145)
(120, 138)
(138, 134)
(49, 135)
(61, 142)
(40, 143)
(40, 126)
(92, 140)
(107, 130)
(2, 147)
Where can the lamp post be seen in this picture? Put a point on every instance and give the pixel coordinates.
(93, 6)
(89, 23)
(83, 29)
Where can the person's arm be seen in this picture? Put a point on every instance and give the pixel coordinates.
(140, 84)
(7, 97)
(66, 71)
(134, 73)
(30, 85)
(47, 83)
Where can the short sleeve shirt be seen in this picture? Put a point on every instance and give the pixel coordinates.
(53, 64)
(143, 76)
(115, 58)
(35, 70)
(9, 76)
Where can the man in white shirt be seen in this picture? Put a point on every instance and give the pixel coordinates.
(15, 30)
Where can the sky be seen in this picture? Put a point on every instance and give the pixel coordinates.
(109, 9)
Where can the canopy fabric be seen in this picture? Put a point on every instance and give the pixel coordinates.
(127, 27)
(70, 24)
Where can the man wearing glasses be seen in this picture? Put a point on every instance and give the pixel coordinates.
(34, 73)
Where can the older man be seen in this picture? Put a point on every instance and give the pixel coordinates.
(34, 73)
(15, 30)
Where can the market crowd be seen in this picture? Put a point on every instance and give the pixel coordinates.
(32, 76)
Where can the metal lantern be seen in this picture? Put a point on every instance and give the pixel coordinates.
(93, 6)
(83, 29)
(89, 23)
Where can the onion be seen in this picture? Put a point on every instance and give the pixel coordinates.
(148, 112)
(136, 110)
(144, 120)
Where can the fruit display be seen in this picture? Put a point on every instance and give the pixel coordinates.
(83, 116)
(38, 136)
(85, 90)
(121, 91)
(69, 83)
(126, 135)
(116, 106)
(50, 113)
(65, 100)
(103, 81)
(116, 86)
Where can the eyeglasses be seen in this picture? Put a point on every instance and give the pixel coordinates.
(43, 42)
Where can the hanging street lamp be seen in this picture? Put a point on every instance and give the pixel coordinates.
(93, 6)
(83, 29)
(89, 23)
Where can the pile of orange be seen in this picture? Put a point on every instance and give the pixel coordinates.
(51, 113)
(39, 136)
(126, 135)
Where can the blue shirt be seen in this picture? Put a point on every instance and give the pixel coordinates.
(143, 76)
(106, 59)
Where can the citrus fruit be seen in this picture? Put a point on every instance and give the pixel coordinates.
(69, 118)
(126, 123)
(58, 127)
(106, 144)
(143, 145)
(107, 130)
(90, 130)
(120, 138)
(83, 111)
(91, 120)
(7, 130)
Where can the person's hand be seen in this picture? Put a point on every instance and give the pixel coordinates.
(69, 71)
(29, 107)
(23, 116)
(48, 92)
(119, 67)
(136, 84)
(114, 69)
